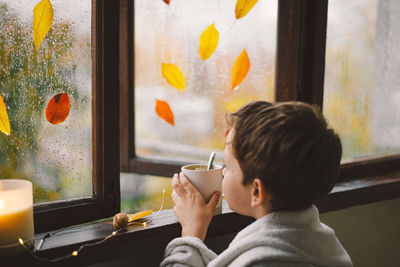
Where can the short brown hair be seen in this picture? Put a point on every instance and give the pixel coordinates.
(289, 146)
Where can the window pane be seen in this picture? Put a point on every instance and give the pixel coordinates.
(59, 165)
(144, 192)
(170, 34)
(361, 76)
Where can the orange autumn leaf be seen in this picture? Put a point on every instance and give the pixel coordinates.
(240, 69)
(243, 7)
(208, 42)
(173, 75)
(57, 109)
(164, 111)
(166, 1)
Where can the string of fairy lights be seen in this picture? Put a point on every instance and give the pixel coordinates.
(76, 252)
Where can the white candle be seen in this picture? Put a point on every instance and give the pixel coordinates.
(16, 212)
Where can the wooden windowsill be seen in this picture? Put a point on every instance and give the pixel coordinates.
(164, 226)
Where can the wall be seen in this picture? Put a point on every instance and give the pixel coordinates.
(370, 233)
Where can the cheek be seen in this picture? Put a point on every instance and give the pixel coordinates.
(231, 195)
(225, 186)
(228, 189)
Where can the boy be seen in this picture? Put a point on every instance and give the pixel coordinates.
(279, 159)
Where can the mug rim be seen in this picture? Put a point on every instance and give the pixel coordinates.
(217, 167)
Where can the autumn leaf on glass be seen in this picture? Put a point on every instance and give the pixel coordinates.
(164, 111)
(57, 110)
(5, 122)
(227, 132)
(42, 20)
(167, 1)
(208, 42)
(243, 7)
(173, 75)
(240, 69)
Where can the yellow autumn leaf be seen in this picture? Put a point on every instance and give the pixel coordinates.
(173, 75)
(42, 20)
(208, 42)
(4, 122)
(240, 69)
(138, 215)
(243, 7)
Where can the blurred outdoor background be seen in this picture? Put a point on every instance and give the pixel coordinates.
(362, 97)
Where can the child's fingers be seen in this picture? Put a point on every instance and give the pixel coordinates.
(174, 196)
(214, 200)
(177, 186)
(186, 184)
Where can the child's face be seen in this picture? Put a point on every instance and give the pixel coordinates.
(236, 194)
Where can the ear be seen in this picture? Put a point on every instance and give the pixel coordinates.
(258, 193)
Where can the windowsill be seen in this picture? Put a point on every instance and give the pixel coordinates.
(164, 226)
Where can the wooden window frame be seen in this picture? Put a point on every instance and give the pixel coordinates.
(105, 200)
(299, 76)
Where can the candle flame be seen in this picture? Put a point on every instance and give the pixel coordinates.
(75, 253)
(21, 241)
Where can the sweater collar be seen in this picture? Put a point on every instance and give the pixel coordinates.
(307, 218)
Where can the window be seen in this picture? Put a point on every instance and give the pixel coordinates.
(361, 99)
(152, 146)
(56, 158)
(66, 164)
(170, 34)
(172, 37)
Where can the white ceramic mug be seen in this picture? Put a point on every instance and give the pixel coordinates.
(205, 181)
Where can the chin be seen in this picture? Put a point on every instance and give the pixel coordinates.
(239, 210)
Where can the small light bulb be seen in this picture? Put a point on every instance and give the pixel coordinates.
(75, 253)
(21, 241)
(145, 224)
(114, 233)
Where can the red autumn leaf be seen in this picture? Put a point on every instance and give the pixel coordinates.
(164, 111)
(57, 109)
(167, 1)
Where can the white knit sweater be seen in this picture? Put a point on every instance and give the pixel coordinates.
(277, 239)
